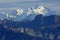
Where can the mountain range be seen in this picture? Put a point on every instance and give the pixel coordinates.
(41, 24)
(35, 26)
(26, 14)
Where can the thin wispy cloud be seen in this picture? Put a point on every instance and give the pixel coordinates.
(8, 1)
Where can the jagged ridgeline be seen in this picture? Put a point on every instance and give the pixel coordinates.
(19, 14)
(36, 23)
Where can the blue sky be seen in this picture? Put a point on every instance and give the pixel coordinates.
(7, 1)
(52, 4)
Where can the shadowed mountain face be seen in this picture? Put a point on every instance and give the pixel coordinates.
(38, 21)
(11, 35)
(43, 24)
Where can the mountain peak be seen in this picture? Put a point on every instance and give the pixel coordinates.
(30, 13)
(39, 10)
(19, 11)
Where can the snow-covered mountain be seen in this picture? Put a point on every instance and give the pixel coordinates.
(23, 14)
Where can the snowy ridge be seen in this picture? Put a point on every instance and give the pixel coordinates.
(20, 14)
